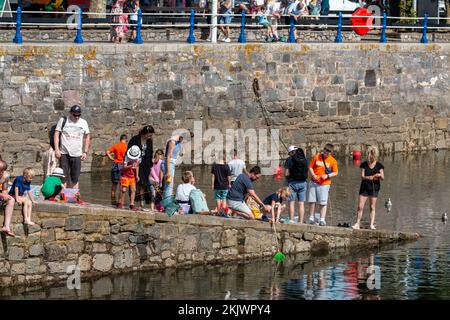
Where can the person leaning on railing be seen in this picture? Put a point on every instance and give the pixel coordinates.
(226, 15)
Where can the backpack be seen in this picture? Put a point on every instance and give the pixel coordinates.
(170, 205)
(298, 171)
(52, 133)
(198, 202)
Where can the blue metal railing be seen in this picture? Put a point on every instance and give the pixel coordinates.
(19, 24)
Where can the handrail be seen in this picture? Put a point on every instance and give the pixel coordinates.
(421, 23)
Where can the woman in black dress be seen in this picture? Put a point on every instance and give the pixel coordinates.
(372, 172)
(145, 142)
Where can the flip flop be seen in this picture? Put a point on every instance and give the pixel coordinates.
(9, 233)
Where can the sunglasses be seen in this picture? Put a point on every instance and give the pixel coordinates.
(327, 150)
(76, 115)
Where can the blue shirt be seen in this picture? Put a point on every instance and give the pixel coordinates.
(21, 184)
(240, 188)
(175, 151)
(273, 197)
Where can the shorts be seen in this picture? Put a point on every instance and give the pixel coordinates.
(298, 191)
(115, 173)
(133, 24)
(318, 193)
(220, 194)
(240, 206)
(226, 17)
(71, 167)
(366, 192)
(127, 182)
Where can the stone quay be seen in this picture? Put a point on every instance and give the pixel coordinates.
(100, 240)
(395, 96)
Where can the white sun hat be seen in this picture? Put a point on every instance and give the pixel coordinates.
(292, 148)
(134, 153)
(58, 172)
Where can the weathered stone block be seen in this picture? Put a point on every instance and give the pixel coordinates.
(32, 265)
(18, 268)
(101, 227)
(123, 259)
(344, 108)
(307, 236)
(441, 123)
(75, 246)
(55, 252)
(84, 262)
(36, 250)
(53, 223)
(319, 94)
(103, 262)
(74, 223)
(99, 247)
(370, 79)
(15, 253)
(229, 238)
(351, 87)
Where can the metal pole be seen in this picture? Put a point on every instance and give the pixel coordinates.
(79, 37)
(214, 21)
(138, 38)
(339, 31)
(18, 38)
(383, 30)
(291, 38)
(242, 35)
(424, 33)
(191, 37)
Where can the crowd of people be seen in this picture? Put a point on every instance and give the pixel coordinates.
(269, 13)
(124, 19)
(148, 178)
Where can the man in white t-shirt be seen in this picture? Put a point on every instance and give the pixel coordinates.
(73, 132)
(237, 167)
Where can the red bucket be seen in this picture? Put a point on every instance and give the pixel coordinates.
(359, 19)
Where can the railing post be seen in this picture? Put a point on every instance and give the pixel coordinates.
(383, 29)
(79, 37)
(18, 38)
(214, 21)
(424, 33)
(138, 38)
(191, 37)
(291, 38)
(339, 30)
(242, 35)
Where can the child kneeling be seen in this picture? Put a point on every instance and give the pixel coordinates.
(275, 201)
(53, 185)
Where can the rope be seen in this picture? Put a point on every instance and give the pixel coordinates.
(265, 113)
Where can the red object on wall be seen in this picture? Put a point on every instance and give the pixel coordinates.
(359, 19)
(356, 155)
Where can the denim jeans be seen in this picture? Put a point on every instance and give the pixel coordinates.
(168, 187)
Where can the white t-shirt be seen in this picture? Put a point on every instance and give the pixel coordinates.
(236, 167)
(274, 7)
(72, 136)
(183, 191)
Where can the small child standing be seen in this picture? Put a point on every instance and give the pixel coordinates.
(129, 176)
(275, 200)
(221, 183)
(53, 186)
(21, 185)
(155, 177)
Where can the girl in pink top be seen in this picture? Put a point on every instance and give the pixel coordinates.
(155, 176)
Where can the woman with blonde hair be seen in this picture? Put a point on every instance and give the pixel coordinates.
(372, 172)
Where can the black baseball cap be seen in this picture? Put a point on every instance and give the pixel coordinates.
(75, 109)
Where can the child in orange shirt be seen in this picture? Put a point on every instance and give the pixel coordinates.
(129, 176)
(116, 154)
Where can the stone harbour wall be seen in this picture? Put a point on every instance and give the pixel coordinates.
(101, 240)
(393, 95)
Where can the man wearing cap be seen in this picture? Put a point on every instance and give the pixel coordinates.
(75, 141)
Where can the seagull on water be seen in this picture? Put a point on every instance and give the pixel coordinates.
(388, 205)
(444, 217)
(228, 296)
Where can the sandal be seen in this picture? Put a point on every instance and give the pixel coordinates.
(9, 233)
(30, 223)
